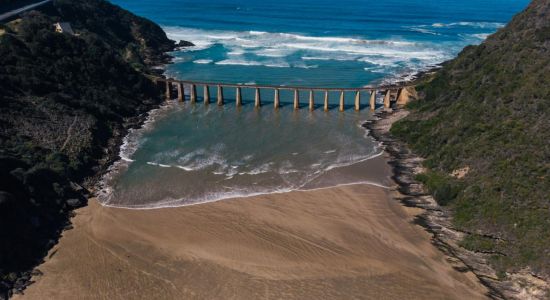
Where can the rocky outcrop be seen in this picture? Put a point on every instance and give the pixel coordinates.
(184, 44)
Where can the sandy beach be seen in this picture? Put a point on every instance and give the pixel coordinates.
(348, 242)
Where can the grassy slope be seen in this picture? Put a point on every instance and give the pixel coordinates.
(489, 109)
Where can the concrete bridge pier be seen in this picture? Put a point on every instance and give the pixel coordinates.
(276, 99)
(181, 95)
(206, 94)
(168, 90)
(238, 97)
(387, 99)
(220, 95)
(296, 99)
(372, 102)
(257, 99)
(311, 100)
(342, 96)
(357, 100)
(193, 94)
(326, 101)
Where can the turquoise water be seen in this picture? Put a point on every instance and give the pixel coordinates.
(190, 154)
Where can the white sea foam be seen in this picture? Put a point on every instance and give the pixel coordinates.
(443, 28)
(241, 62)
(158, 165)
(264, 168)
(203, 61)
(235, 193)
(245, 192)
(130, 144)
(278, 50)
(481, 36)
(483, 25)
(277, 65)
(423, 30)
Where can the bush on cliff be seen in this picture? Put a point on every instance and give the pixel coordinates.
(489, 110)
(63, 98)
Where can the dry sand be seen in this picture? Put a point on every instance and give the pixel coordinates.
(351, 242)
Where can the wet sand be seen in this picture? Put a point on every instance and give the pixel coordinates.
(349, 242)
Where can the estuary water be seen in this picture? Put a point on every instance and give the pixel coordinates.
(189, 154)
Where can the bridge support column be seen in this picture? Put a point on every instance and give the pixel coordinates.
(257, 98)
(168, 90)
(181, 95)
(326, 101)
(193, 94)
(311, 100)
(342, 96)
(238, 97)
(357, 100)
(387, 99)
(372, 100)
(296, 99)
(276, 99)
(220, 95)
(206, 94)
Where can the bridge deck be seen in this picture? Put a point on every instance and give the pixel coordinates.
(283, 87)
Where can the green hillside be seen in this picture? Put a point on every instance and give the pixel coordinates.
(64, 101)
(489, 110)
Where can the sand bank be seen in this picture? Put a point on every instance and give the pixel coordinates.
(349, 242)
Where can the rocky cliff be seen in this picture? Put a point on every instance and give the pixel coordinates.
(64, 103)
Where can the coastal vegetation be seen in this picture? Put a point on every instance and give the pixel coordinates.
(66, 101)
(483, 126)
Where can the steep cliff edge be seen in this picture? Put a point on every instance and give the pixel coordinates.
(483, 126)
(64, 103)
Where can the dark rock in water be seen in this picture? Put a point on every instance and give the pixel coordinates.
(74, 202)
(183, 43)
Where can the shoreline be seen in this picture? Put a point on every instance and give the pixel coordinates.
(302, 243)
(304, 188)
(247, 196)
(437, 220)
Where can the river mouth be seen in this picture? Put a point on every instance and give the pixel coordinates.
(194, 154)
(188, 154)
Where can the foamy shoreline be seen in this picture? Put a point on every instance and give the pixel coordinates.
(131, 143)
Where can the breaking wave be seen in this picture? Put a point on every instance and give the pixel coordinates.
(289, 50)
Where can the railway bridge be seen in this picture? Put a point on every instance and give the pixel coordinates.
(183, 90)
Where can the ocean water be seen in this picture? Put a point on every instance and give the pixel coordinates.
(191, 154)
